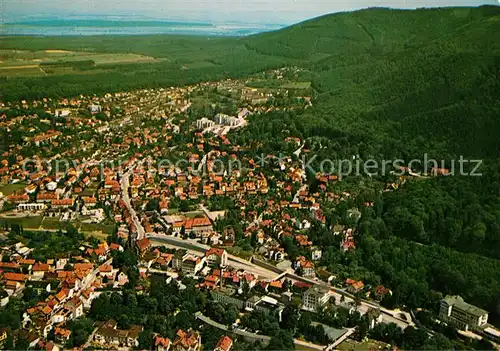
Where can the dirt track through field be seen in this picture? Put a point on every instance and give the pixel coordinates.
(19, 67)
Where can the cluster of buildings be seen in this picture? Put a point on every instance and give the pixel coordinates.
(66, 287)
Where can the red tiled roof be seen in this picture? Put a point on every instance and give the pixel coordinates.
(11, 265)
(196, 222)
(225, 343)
(63, 202)
(105, 268)
(17, 277)
(83, 266)
(143, 243)
(215, 251)
(115, 246)
(41, 267)
(27, 261)
(276, 284)
(165, 342)
(186, 339)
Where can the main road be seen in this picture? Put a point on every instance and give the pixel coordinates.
(124, 184)
(400, 318)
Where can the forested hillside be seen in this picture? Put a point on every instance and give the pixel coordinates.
(425, 79)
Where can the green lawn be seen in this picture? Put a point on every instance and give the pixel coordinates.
(193, 214)
(237, 251)
(296, 85)
(105, 227)
(27, 222)
(351, 345)
(52, 223)
(88, 191)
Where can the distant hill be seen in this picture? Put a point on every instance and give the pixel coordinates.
(423, 78)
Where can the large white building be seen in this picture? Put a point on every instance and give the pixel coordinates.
(315, 298)
(31, 207)
(204, 123)
(226, 120)
(458, 313)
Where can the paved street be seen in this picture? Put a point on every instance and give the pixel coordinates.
(194, 246)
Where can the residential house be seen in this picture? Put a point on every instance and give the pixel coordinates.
(198, 226)
(374, 317)
(306, 267)
(228, 237)
(3, 336)
(178, 258)
(39, 270)
(108, 334)
(381, 292)
(316, 253)
(62, 335)
(225, 343)
(354, 286)
(175, 222)
(192, 264)
(4, 298)
(143, 245)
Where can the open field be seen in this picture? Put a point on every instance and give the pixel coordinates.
(99, 230)
(61, 62)
(297, 85)
(12, 188)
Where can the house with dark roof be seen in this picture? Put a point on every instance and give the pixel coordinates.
(455, 311)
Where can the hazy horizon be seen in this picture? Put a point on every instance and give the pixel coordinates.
(211, 11)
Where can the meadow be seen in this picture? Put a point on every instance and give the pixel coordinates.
(14, 63)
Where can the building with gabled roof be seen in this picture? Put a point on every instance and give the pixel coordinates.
(216, 257)
(162, 344)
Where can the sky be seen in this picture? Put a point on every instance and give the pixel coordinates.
(246, 11)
